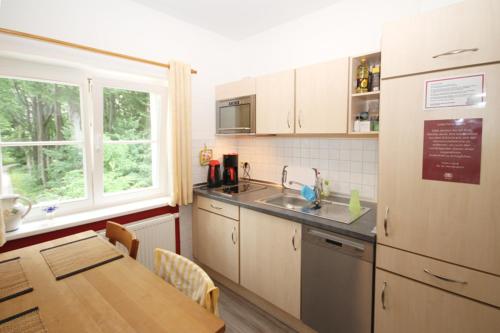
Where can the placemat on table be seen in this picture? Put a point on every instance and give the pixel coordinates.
(28, 321)
(75, 257)
(13, 281)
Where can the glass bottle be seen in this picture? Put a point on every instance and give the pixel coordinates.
(362, 75)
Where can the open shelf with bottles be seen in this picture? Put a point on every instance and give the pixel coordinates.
(363, 104)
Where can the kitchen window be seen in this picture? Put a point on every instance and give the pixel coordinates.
(41, 140)
(79, 140)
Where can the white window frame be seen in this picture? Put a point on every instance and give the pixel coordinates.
(91, 117)
(158, 142)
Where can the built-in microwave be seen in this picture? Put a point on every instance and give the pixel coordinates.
(236, 116)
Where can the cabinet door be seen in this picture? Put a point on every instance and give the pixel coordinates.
(270, 259)
(453, 222)
(470, 28)
(275, 103)
(217, 242)
(321, 98)
(403, 305)
(235, 89)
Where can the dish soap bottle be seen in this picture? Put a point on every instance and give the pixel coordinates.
(362, 75)
(354, 203)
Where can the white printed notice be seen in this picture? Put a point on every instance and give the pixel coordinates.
(455, 92)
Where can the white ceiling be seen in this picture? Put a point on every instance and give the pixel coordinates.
(237, 19)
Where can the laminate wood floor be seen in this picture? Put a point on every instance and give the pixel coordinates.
(242, 316)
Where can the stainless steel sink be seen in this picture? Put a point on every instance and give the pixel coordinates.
(331, 210)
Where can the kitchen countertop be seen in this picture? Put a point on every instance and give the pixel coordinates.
(361, 228)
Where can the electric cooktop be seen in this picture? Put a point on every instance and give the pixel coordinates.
(239, 188)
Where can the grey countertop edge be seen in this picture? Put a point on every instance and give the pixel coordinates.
(360, 229)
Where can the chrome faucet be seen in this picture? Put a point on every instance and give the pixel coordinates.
(318, 185)
(318, 188)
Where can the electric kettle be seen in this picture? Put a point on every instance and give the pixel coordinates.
(213, 178)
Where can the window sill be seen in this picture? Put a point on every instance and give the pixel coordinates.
(67, 221)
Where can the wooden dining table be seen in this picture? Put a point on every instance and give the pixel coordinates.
(119, 296)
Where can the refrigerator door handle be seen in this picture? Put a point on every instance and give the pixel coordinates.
(457, 51)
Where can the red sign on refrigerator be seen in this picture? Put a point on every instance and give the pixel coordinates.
(452, 150)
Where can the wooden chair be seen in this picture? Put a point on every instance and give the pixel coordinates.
(117, 233)
(188, 278)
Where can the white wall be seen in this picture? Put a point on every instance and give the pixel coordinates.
(346, 28)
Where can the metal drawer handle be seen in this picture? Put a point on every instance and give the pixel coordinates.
(341, 241)
(444, 278)
(288, 119)
(232, 236)
(457, 51)
(236, 128)
(215, 207)
(300, 118)
(382, 296)
(293, 239)
(385, 221)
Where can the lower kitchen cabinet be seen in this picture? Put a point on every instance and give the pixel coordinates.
(216, 240)
(404, 305)
(270, 259)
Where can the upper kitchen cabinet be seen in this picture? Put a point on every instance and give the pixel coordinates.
(235, 89)
(454, 36)
(321, 98)
(275, 103)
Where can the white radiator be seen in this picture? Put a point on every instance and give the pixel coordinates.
(158, 231)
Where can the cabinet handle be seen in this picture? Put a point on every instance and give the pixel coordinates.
(293, 239)
(443, 278)
(300, 118)
(457, 51)
(288, 119)
(215, 207)
(232, 236)
(382, 295)
(385, 221)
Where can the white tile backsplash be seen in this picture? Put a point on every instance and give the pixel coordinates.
(347, 163)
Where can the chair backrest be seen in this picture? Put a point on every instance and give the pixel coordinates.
(188, 278)
(117, 233)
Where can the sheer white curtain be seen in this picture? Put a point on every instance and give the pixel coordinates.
(179, 135)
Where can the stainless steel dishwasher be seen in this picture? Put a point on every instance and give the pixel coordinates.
(337, 282)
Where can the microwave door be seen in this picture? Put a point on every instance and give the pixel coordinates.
(235, 118)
